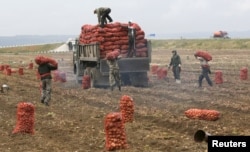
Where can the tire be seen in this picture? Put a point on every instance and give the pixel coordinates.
(78, 74)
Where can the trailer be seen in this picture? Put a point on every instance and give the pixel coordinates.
(87, 61)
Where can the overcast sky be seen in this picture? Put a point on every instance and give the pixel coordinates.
(65, 17)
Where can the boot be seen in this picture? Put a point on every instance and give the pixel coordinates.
(119, 88)
(178, 81)
(46, 103)
(42, 101)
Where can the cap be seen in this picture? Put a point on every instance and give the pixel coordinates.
(174, 51)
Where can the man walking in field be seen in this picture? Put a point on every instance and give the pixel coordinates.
(44, 70)
(175, 63)
(204, 72)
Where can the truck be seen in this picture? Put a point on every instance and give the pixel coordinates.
(87, 61)
(220, 34)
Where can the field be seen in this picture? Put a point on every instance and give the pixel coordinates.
(74, 122)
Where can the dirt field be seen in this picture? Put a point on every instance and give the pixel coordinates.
(74, 122)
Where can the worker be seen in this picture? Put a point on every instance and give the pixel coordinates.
(175, 64)
(131, 40)
(102, 14)
(44, 71)
(204, 72)
(114, 73)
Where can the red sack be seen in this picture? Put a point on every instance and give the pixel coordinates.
(115, 132)
(154, 69)
(127, 108)
(162, 73)
(25, 118)
(112, 55)
(218, 77)
(42, 59)
(243, 73)
(204, 55)
(86, 82)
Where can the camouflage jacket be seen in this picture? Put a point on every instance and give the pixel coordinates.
(113, 64)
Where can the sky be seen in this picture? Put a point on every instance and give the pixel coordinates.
(66, 17)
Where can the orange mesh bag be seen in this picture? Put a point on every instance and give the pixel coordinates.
(243, 73)
(56, 76)
(154, 68)
(127, 108)
(1, 67)
(202, 114)
(162, 73)
(42, 59)
(115, 132)
(20, 71)
(218, 77)
(62, 76)
(7, 71)
(30, 66)
(86, 82)
(204, 55)
(25, 118)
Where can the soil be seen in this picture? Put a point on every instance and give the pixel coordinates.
(74, 121)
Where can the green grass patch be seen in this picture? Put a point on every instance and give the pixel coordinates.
(204, 44)
(33, 48)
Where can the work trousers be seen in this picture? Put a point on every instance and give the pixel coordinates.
(104, 16)
(114, 78)
(204, 74)
(46, 90)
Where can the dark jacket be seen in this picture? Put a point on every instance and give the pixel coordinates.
(175, 60)
(45, 70)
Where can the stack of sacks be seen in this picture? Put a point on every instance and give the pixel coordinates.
(113, 36)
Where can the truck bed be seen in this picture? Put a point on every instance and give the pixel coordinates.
(128, 65)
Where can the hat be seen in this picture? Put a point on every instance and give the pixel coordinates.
(174, 51)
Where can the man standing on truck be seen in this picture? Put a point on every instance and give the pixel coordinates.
(175, 63)
(131, 40)
(114, 72)
(102, 14)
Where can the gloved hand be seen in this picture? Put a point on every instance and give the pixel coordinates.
(179, 65)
